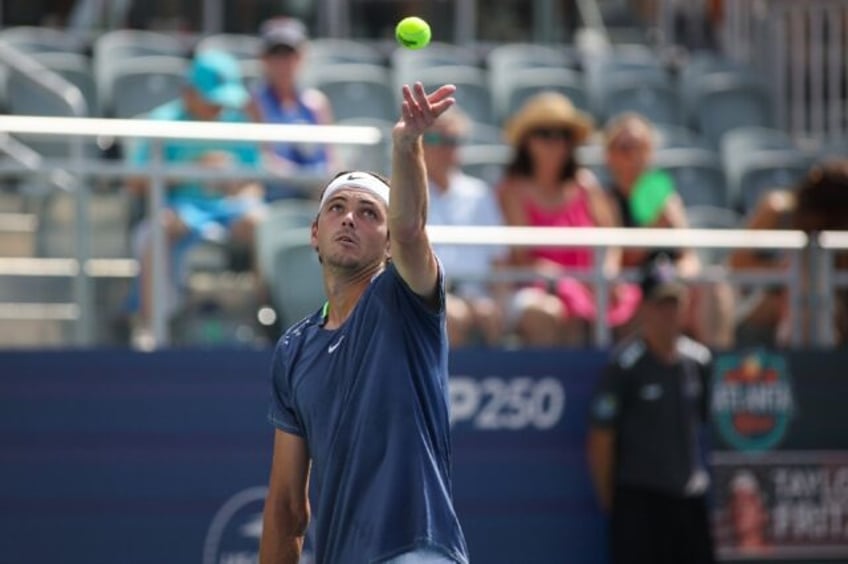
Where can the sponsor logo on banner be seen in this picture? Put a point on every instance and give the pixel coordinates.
(507, 404)
(233, 536)
(752, 400)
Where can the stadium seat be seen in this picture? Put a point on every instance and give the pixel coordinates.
(41, 40)
(143, 83)
(486, 162)
(108, 219)
(653, 96)
(24, 97)
(710, 217)
(297, 288)
(356, 91)
(74, 68)
(483, 134)
(698, 175)
(114, 48)
(376, 158)
(742, 140)
(770, 170)
(726, 101)
(271, 233)
(119, 45)
(834, 150)
(739, 145)
(702, 65)
(323, 51)
(472, 89)
(677, 136)
(510, 92)
(603, 68)
(505, 59)
(407, 65)
(238, 45)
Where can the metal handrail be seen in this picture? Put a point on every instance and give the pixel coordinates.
(597, 239)
(51, 81)
(158, 132)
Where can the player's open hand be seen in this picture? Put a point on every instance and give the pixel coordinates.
(419, 110)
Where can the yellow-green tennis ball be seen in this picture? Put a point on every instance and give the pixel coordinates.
(413, 33)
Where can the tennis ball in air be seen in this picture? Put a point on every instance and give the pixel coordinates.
(413, 33)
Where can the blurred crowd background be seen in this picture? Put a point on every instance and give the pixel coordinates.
(577, 114)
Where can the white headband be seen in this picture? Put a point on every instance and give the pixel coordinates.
(358, 181)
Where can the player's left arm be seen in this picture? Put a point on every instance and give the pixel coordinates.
(410, 247)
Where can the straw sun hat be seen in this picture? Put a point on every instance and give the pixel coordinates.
(547, 110)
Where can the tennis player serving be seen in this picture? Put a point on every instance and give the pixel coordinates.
(360, 388)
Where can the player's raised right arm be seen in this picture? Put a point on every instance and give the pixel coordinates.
(286, 513)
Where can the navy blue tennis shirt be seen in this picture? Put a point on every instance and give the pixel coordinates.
(371, 400)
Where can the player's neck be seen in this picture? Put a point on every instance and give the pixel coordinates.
(343, 293)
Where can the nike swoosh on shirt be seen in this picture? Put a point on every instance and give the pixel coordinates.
(335, 345)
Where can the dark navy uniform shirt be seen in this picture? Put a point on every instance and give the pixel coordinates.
(371, 400)
(658, 412)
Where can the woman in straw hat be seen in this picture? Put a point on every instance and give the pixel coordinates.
(545, 186)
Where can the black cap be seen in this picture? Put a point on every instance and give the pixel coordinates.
(660, 280)
(283, 32)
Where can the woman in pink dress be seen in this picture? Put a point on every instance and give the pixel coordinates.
(545, 187)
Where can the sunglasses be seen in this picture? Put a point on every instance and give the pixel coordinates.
(552, 134)
(626, 145)
(440, 139)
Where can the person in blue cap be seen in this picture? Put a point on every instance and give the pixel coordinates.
(280, 99)
(198, 210)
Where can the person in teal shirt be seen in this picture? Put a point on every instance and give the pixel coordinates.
(199, 210)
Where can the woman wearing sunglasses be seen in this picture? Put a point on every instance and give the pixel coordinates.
(544, 186)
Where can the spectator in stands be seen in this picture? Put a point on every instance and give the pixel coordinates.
(199, 210)
(459, 199)
(818, 203)
(278, 99)
(545, 186)
(645, 197)
(648, 416)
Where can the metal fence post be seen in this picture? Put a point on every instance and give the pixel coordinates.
(82, 236)
(159, 266)
(796, 306)
(602, 332)
(826, 302)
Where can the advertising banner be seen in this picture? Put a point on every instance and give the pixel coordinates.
(781, 456)
(115, 457)
(111, 456)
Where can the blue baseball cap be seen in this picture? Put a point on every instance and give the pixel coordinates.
(217, 78)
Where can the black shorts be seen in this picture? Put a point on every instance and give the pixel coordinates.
(649, 527)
